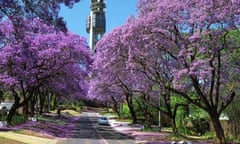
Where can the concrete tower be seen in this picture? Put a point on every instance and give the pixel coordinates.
(96, 23)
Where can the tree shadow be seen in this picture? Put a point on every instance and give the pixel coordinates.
(87, 127)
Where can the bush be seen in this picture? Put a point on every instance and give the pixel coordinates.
(200, 126)
(17, 119)
(194, 122)
(125, 113)
(77, 106)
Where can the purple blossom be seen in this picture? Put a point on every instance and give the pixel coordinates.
(44, 57)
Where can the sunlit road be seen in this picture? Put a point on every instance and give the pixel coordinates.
(88, 131)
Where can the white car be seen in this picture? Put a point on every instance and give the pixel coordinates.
(6, 105)
(103, 121)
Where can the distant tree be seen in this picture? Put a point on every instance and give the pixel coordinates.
(111, 76)
(114, 81)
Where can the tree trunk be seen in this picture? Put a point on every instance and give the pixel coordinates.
(10, 114)
(117, 109)
(1, 96)
(54, 103)
(41, 103)
(147, 121)
(32, 106)
(25, 110)
(14, 108)
(218, 128)
(174, 126)
(17, 105)
(131, 108)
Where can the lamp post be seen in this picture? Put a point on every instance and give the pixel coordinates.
(159, 114)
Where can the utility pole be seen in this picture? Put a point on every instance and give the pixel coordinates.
(96, 23)
(159, 105)
(159, 114)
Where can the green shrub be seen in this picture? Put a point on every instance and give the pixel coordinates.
(233, 139)
(200, 126)
(17, 119)
(77, 105)
(125, 113)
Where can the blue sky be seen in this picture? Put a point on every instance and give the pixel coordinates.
(117, 12)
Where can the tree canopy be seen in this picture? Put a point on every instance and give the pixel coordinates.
(183, 46)
(43, 60)
(47, 10)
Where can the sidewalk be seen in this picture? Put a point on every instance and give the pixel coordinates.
(141, 137)
(26, 138)
(134, 130)
(124, 126)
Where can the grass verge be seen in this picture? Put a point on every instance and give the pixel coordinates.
(9, 141)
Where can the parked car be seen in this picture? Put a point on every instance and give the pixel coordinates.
(6, 105)
(103, 121)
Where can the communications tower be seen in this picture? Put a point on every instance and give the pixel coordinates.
(96, 23)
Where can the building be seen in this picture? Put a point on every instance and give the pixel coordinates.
(96, 23)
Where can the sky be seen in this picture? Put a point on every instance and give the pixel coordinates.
(117, 12)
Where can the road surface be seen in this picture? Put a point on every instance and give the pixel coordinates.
(88, 131)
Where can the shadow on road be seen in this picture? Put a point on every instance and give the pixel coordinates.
(87, 127)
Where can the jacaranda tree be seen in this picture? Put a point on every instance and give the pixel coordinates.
(46, 10)
(44, 59)
(195, 36)
(184, 46)
(112, 72)
(112, 79)
(147, 57)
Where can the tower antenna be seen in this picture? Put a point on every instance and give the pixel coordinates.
(96, 23)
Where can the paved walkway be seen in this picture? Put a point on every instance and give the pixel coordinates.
(27, 139)
(134, 130)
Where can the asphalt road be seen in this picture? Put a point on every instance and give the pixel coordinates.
(87, 131)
